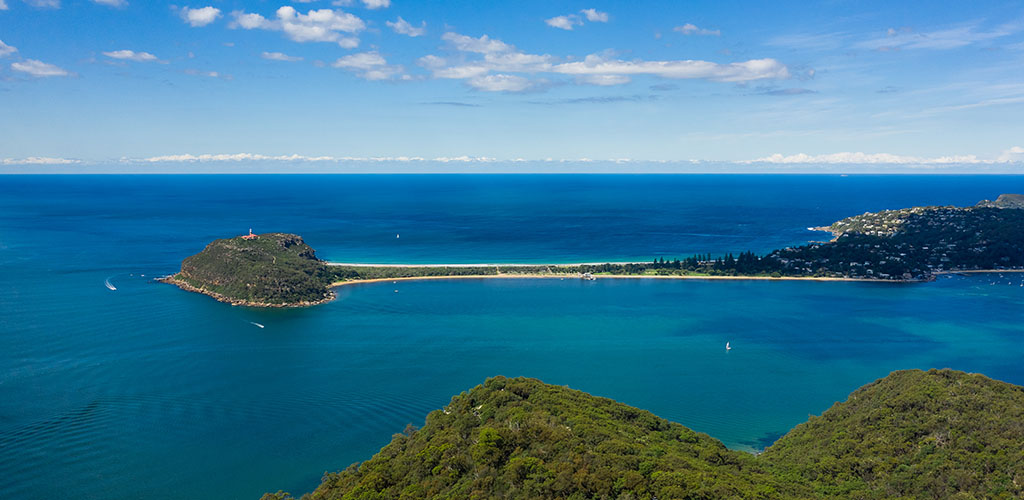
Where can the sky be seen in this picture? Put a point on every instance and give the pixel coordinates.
(396, 85)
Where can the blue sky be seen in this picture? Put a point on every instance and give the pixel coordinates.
(596, 85)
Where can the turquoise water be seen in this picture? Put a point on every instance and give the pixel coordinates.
(151, 392)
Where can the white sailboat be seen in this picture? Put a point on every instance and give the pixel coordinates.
(728, 347)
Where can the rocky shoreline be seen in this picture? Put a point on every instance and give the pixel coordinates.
(173, 280)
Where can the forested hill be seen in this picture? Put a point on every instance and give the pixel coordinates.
(913, 243)
(913, 434)
(272, 269)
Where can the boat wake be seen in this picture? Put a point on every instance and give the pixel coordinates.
(256, 324)
(108, 284)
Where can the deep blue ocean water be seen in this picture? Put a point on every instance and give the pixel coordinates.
(152, 392)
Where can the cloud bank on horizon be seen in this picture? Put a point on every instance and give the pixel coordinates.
(376, 81)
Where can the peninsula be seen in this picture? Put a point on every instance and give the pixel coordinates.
(906, 245)
(912, 434)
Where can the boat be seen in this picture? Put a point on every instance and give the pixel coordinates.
(728, 347)
(253, 323)
(109, 285)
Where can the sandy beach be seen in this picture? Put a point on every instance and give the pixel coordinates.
(612, 276)
(483, 265)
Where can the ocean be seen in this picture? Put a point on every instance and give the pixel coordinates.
(148, 391)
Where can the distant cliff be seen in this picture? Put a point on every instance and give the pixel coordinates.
(1005, 201)
(913, 434)
(273, 269)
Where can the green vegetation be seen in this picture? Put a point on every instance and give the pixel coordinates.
(344, 273)
(278, 269)
(703, 265)
(905, 244)
(913, 434)
(520, 438)
(913, 243)
(273, 269)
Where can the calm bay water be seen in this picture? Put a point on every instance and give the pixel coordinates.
(152, 392)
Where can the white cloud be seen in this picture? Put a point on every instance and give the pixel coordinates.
(866, 159)
(350, 42)
(279, 56)
(201, 16)
(402, 27)
(500, 57)
(1014, 155)
(208, 74)
(38, 69)
(692, 29)
(3, 5)
(949, 38)
(819, 41)
(38, 160)
(131, 55)
(464, 159)
(369, 66)
(242, 157)
(595, 16)
(112, 3)
(519, 62)
(55, 4)
(369, 4)
(568, 21)
(754, 69)
(482, 45)
(249, 21)
(363, 60)
(323, 25)
(235, 157)
(500, 83)
(6, 50)
(604, 80)
(564, 22)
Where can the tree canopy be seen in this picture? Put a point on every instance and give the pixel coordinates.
(913, 434)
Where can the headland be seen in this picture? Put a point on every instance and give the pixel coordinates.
(892, 246)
